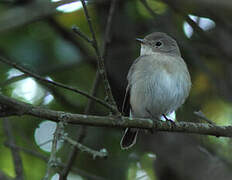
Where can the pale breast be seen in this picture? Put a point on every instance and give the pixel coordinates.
(158, 87)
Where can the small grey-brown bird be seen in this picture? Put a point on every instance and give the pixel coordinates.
(158, 82)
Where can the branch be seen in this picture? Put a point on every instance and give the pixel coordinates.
(18, 165)
(83, 130)
(102, 153)
(53, 83)
(81, 34)
(28, 151)
(108, 30)
(3, 176)
(45, 158)
(81, 137)
(101, 66)
(212, 41)
(201, 115)
(69, 36)
(21, 108)
(52, 159)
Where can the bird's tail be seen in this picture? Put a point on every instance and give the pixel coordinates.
(129, 138)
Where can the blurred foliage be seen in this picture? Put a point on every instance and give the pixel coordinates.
(39, 47)
(157, 6)
(142, 169)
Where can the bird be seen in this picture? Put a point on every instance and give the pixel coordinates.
(158, 82)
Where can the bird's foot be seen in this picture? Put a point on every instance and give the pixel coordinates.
(168, 120)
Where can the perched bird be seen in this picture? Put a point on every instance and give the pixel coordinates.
(158, 82)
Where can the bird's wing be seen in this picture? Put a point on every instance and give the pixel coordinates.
(132, 68)
(126, 108)
(126, 101)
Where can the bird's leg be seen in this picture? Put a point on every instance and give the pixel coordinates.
(169, 120)
(153, 118)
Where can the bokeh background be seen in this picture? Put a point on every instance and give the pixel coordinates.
(38, 35)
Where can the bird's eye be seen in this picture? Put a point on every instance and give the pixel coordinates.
(158, 43)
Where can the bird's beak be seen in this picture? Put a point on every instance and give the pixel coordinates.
(142, 41)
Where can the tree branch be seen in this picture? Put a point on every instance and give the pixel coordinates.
(68, 35)
(81, 137)
(57, 84)
(212, 41)
(101, 65)
(46, 158)
(21, 108)
(18, 165)
(52, 159)
(83, 130)
(102, 153)
(3, 176)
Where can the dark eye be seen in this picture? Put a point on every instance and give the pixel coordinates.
(158, 43)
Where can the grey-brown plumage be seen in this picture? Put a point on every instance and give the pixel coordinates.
(158, 81)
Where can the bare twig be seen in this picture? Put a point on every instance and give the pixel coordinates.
(29, 151)
(195, 56)
(201, 115)
(21, 108)
(102, 153)
(107, 39)
(18, 165)
(101, 66)
(81, 34)
(60, 97)
(13, 79)
(90, 103)
(37, 77)
(69, 36)
(53, 160)
(45, 158)
(63, 100)
(3, 176)
(80, 138)
(211, 41)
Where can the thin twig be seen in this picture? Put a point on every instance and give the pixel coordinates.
(108, 30)
(60, 97)
(13, 79)
(52, 162)
(81, 34)
(211, 41)
(44, 143)
(102, 153)
(194, 55)
(58, 84)
(201, 115)
(29, 151)
(18, 165)
(80, 138)
(83, 131)
(101, 66)
(69, 36)
(64, 100)
(46, 158)
(3, 176)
